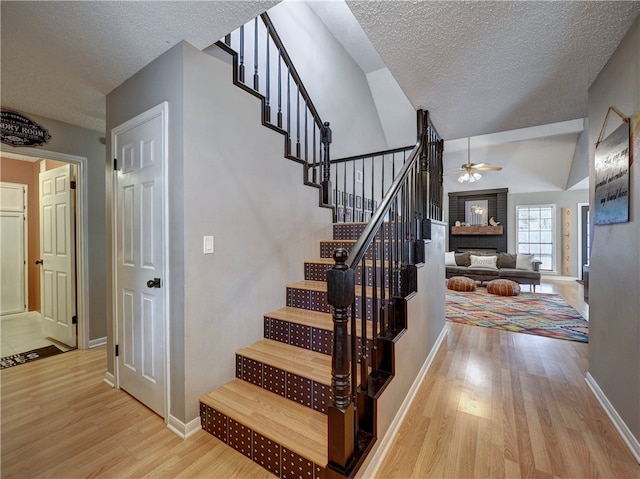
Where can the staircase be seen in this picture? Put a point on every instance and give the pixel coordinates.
(274, 411)
(304, 399)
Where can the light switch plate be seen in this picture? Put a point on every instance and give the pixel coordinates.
(208, 245)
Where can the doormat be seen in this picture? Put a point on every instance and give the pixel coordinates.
(531, 313)
(22, 358)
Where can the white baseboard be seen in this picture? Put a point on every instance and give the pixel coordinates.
(627, 436)
(94, 343)
(181, 429)
(376, 461)
(110, 379)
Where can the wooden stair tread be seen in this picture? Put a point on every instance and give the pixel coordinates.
(292, 425)
(321, 286)
(300, 361)
(315, 319)
(330, 261)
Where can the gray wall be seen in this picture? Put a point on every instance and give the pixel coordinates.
(227, 178)
(74, 140)
(614, 293)
(338, 87)
(426, 321)
(562, 199)
(161, 80)
(241, 190)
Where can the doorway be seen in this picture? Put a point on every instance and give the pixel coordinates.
(584, 240)
(80, 236)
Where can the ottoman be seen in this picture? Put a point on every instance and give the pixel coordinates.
(503, 287)
(461, 283)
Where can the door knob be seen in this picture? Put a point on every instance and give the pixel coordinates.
(39, 261)
(153, 283)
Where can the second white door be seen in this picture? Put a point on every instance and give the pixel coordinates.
(57, 256)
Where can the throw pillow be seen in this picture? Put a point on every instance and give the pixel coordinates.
(483, 262)
(506, 260)
(450, 258)
(462, 259)
(524, 261)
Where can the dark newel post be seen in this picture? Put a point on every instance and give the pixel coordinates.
(425, 174)
(326, 165)
(341, 414)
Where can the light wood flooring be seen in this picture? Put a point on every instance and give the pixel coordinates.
(494, 404)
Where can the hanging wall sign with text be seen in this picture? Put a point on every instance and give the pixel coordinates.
(611, 196)
(18, 130)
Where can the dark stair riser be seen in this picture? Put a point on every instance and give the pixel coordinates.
(352, 231)
(328, 247)
(303, 336)
(317, 301)
(272, 456)
(318, 272)
(296, 388)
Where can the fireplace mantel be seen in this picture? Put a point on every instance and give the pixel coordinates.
(477, 230)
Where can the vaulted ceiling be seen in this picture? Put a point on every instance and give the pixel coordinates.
(478, 67)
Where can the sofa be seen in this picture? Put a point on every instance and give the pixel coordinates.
(521, 268)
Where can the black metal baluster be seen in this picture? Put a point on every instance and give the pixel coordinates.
(279, 89)
(241, 66)
(382, 187)
(227, 39)
(364, 182)
(354, 352)
(373, 183)
(374, 309)
(383, 276)
(298, 124)
(267, 110)
(364, 358)
(288, 112)
(256, 78)
(353, 188)
(345, 196)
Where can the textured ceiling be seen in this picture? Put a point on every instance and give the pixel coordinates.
(479, 67)
(483, 67)
(60, 59)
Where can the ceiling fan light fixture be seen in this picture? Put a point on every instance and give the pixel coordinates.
(469, 178)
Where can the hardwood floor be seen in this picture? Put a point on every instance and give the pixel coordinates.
(494, 404)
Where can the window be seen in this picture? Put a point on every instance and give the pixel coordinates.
(536, 233)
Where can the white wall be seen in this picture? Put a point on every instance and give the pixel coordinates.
(397, 116)
(580, 164)
(336, 84)
(562, 199)
(614, 293)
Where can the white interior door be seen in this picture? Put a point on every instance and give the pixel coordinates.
(139, 147)
(57, 254)
(12, 248)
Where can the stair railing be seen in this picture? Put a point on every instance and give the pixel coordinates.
(360, 182)
(387, 252)
(258, 47)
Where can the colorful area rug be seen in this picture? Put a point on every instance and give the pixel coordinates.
(531, 313)
(22, 358)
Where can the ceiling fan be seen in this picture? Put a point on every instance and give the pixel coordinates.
(470, 171)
